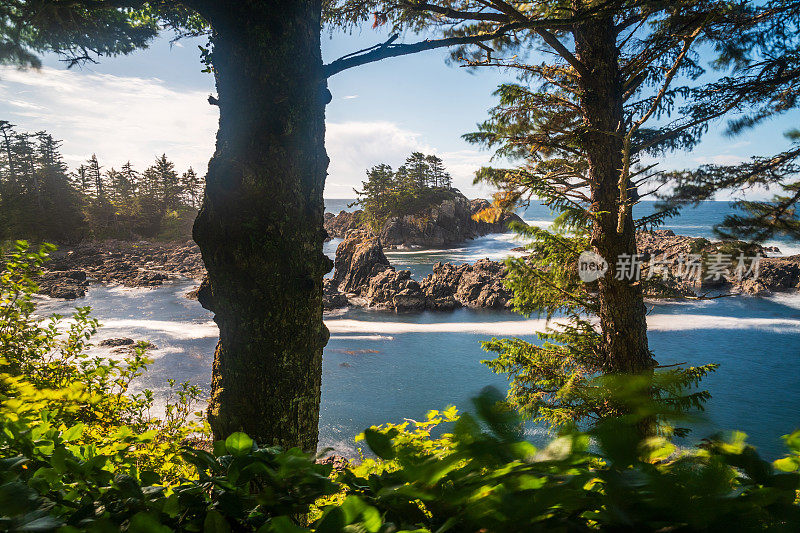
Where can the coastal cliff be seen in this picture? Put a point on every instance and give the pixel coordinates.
(444, 224)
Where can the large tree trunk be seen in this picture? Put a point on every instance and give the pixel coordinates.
(622, 310)
(260, 226)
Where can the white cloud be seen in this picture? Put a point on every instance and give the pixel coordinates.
(123, 118)
(349, 97)
(353, 147)
(118, 118)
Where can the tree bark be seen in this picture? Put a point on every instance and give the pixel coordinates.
(622, 310)
(260, 225)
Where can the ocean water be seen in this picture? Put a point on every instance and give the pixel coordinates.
(382, 366)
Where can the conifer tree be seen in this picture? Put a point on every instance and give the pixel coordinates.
(439, 177)
(580, 125)
(192, 187)
(94, 176)
(262, 214)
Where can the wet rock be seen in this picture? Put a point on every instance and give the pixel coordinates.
(369, 281)
(338, 462)
(331, 297)
(132, 264)
(66, 284)
(774, 273)
(120, 341)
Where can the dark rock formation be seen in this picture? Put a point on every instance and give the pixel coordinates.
(331, 297)
(774, 274)
(67, 284)
(363, 277)
(447, 223)
(113, 343)
(358, 258)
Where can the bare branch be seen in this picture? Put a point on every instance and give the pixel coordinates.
(386, 50)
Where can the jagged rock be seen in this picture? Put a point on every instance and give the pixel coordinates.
(479, 285)
(66, 284)
(774, 273)
(331, 297)
(337, 462)
(358, 258)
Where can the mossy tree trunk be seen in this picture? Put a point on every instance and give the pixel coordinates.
(622, 310)
(260, 226)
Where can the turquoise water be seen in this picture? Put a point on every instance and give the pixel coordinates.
(381, 366)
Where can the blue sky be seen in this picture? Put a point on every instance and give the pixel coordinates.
(153, 101)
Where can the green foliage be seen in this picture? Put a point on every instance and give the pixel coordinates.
(76, 31)
(483, 476)
(762, 83)
(418, 184)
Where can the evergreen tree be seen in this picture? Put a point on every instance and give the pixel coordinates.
(378, 194)
(80, 179)
(94, 177)
(192, 187)
(439, 177)
(580, 125)
(61, 202)
(417, 171)
(167, 183)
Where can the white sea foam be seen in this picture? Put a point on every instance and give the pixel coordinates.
(362, 337)
(509, 327)
(539, 223)
(658, 322)
(788, 299)
(688, 322)
(786, 248)
(174, 329)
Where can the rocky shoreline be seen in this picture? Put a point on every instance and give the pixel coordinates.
(132, 264)
(363, 276)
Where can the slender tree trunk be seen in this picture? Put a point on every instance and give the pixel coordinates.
(622, 310)
(260, 225)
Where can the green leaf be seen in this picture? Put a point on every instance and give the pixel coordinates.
(215, 523)
(281, 524)
(787, 464)
(333, 521)
(379, 443)
(219, 448)
(238, 444)
(73, 433)
(146, 523)
(356, 511)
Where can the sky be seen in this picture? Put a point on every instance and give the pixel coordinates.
(134, 108)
